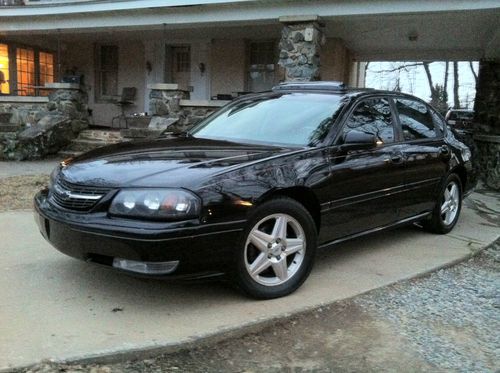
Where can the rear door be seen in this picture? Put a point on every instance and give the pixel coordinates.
(365, 185)
(425, 152)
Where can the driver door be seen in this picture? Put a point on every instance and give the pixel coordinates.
(365, 184)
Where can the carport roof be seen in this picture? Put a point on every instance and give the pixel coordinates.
(372, 29)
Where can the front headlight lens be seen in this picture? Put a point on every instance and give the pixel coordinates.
(168, 204)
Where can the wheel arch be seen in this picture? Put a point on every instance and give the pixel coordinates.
(462, 174)
(303, 195)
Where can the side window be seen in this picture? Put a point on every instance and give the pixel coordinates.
(372, 116)
(438, 123)
(416, 119)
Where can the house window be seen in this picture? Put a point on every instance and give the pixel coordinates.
(24, 69)
(107, 72)
(4, 70)
(46, 63)
(183, 59)
(261, 72)
(26, 78)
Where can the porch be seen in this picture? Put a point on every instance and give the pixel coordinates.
(208, 65)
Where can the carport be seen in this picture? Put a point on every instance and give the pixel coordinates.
(326, 40)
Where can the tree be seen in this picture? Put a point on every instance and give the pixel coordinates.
(440, 99)
(435, 89)
(445, 80)
(471, 65)
(456, 98)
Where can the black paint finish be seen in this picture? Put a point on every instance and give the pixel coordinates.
(348, 191)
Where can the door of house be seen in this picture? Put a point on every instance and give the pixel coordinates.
(178, 65)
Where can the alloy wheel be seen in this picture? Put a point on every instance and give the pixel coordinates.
(451, 203)
(275, 249)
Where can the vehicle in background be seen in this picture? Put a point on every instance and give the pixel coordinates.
(460, 120)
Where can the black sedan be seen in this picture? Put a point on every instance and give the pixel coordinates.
(256, 188)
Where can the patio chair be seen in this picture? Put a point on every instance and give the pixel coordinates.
(126, 100)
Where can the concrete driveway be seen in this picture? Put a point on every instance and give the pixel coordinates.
(55, 307)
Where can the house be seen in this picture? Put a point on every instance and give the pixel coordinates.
(204, 52)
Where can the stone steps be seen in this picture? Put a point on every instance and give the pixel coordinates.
(89, 140)
(105, 135)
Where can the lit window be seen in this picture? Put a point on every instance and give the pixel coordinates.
(4, 70)
(46, 64)
(25, 60)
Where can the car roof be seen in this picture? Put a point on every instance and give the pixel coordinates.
(332, 87)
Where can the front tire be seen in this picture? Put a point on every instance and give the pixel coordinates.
(276, 250)
(447, 210)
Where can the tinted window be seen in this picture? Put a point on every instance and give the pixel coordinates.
(292, 119)
(416, 119)
(372, 116)
(438, 122)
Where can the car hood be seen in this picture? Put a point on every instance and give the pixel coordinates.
(178, 162)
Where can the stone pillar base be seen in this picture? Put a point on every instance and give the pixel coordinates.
(489, 159)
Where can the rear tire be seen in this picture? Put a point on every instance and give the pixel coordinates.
(447, 210)
(276, 250)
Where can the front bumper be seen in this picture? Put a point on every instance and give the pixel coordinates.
(199, 248)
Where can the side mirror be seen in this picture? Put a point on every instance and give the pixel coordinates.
(357, 140)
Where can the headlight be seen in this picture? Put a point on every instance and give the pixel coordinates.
(167, 204)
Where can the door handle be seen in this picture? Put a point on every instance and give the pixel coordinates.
(396, 158)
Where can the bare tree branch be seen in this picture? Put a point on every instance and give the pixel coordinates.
(398, 68)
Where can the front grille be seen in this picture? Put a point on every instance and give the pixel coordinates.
(76, 197)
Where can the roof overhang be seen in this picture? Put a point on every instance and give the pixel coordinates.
(371, 29)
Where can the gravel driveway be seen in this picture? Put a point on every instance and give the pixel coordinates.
(451, 318)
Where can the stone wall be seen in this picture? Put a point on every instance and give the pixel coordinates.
(191, 115)
(22, 113)
(300, 50)
(170, 113)
(487, 122)
(163, 102)
(35, 130)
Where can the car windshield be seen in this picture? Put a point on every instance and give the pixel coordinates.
(296, 119)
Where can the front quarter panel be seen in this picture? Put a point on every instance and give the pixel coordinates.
(232, 195)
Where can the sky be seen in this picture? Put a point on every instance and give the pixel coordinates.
(413, 80)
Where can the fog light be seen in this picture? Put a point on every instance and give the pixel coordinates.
(148, 268)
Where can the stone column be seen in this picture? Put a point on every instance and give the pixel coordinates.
(70, 100)
(487, 122)
(300, 44)
(164, 99)
(164, 107)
